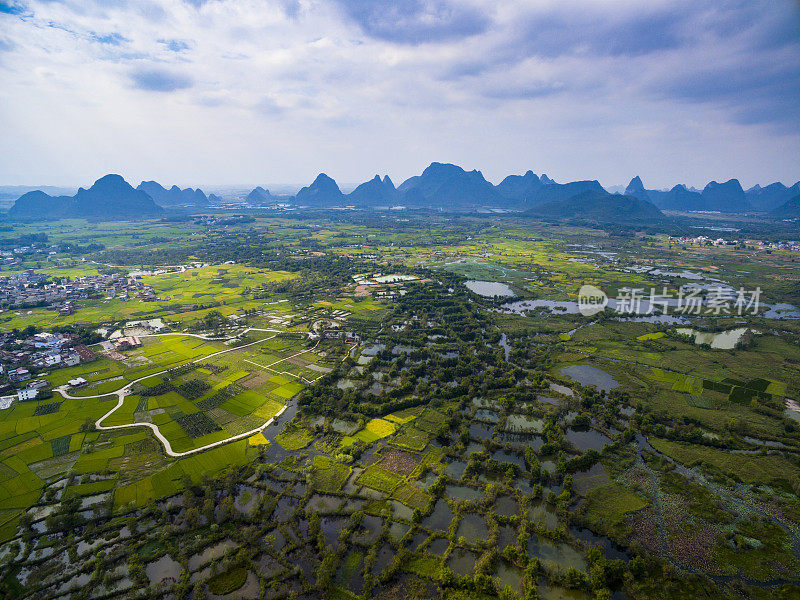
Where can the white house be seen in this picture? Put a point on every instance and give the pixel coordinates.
(27, 394)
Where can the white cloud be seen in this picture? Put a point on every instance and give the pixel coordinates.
(227, 91)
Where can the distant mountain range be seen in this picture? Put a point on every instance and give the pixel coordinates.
(728, 197)
(440, 186)
(110, 198)
(175, 196)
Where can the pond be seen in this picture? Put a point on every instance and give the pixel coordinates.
(373, 349)
(507, 506)
(480, 431)
(473, 528)
(438, 546)
(384, 558)
(506, 536)
(247, 498)
(462, 562)
(556, 555)
(520, 307)
(163, 570)
(323, 504)
(502, 456)
(210, 554)
(401, 511)
(462, 492)
(548, 592)
(486, 415)
(349, 575)
(792, 410)
(588, 375)
(520, 440)
(561, 389)
(724, 340)
(524, 424)
(541, 512)
(416, 540)
(455, 469)
(587, 440)
(611, 550)
(489, 289)
(439, 519)
(397, 530)
(331, 527)
(284, 509)
(368, 530)
(248, 590)
(509, 576)
(275, 539)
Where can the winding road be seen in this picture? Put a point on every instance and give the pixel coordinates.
(125, 391)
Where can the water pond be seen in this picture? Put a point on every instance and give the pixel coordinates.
(524, 424)
(589, 375)
(439, 519)
(587, 440)
(462, 492)
(556, 555)
(473, 528)
(163, 569)
(541, 512)
(489, 289)
(462, 562)
(724, 340)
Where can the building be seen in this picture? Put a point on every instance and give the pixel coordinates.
(20, 374)
(27, 394)
(77, 382)
(71, 360)
(128, 342)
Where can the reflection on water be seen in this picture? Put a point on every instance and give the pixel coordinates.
(589, 375)
(724, 340)
(489, 289)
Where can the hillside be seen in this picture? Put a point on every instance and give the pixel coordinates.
(600, 207)
(109, 198)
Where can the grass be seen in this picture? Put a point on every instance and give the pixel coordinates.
(328, 475)
(410, 495)
(294, 439)
(772, 470)
(410, 438)
(607, 506)
(380, 479)
(657, 335)
(227, 582)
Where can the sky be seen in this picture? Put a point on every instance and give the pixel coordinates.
(224, 92)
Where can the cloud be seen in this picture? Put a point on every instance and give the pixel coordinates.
(158, 80)
(176, 45)
(415, 21)
(689, 89)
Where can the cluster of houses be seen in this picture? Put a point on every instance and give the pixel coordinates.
(29, 288)
(40, 351)
(30, 392)
(703, 240)
(15, 255)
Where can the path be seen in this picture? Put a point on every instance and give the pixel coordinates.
(125, 390)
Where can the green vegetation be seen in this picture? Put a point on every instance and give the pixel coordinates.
(428, 443)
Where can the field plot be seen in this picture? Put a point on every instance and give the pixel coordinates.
(201, 399)
(328, 475)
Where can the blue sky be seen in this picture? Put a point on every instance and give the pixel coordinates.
(203, 92)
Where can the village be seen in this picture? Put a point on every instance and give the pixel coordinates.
(30, 289)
